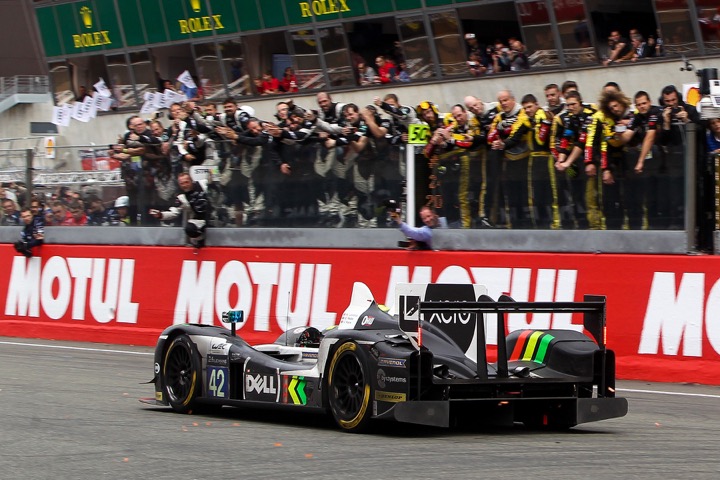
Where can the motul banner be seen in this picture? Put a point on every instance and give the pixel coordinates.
(663, 312)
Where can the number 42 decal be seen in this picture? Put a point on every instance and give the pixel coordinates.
(217, 382)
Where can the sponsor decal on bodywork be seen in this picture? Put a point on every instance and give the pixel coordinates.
(260, 382)
(295, 389)
(384, 379)
(531, 346)
(391, 397)
(309, 355)
(391, 362)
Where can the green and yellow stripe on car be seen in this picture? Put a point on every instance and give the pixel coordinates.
(531, 346)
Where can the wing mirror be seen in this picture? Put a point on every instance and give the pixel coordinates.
(233, 317)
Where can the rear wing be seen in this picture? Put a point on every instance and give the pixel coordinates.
(593, 308)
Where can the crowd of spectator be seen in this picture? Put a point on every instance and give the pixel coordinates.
(620, 49)
(496, 57)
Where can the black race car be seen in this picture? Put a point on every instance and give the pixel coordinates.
(426, 364)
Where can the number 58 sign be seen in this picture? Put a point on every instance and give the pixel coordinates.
(419, 133)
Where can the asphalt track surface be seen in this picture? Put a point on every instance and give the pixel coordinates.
(71, 411)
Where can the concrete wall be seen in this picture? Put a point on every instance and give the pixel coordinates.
(651, 76)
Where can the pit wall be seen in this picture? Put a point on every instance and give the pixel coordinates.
(663, 311)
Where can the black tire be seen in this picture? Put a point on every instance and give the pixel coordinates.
(350, 388)
(181, 374)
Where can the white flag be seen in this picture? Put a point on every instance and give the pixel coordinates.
(77, 111)
(102, 103)
(67, 111)
(147, 107)
(102, 89)
(58, 116)
(186, 79)
(89, 106)
(155, 99)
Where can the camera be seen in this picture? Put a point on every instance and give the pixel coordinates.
(404, 244)
(675, 110)
(392, 206)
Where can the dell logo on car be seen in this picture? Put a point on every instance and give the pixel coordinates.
(260, 384)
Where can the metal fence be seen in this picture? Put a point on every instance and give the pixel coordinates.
(23, 84)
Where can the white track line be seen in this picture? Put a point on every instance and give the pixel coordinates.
(662, 392)
(85, 349)
(128, 352)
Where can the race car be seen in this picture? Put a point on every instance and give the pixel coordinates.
(427, 363)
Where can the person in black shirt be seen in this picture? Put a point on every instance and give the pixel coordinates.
(641, 194)
(32, 234)
(676, 115)
(620, 47)
(193, 200)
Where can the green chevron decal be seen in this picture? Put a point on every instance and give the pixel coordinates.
(296, 389)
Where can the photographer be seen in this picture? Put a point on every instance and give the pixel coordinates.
(676, 114)
(502, 62)
(136, 167)
(420, 238)
(475, 65)
(192, 200)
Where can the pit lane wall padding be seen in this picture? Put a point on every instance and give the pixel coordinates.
(663, 311)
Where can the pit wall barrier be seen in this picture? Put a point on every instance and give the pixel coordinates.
(663, 311)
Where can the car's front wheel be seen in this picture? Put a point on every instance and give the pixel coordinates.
(350, 388)
(181, 374)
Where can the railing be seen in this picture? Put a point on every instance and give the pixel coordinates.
(23, 84)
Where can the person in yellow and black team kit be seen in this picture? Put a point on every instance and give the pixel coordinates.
(511, 133)
(542, 180)
(568, 139)
(605, 153)
(458, 142)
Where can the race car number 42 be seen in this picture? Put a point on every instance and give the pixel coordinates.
(217, 382)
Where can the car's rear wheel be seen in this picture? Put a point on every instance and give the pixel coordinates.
(350, 388)
(181, 374)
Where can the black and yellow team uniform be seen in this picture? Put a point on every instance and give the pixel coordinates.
(484, 175)
(570, 131)
(457, 158)
(606, 151)
(542, 176)
(641, 192)
(515, 130)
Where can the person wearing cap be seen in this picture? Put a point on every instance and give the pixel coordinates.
(477, 60)
(192, 201)
(121, 215)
